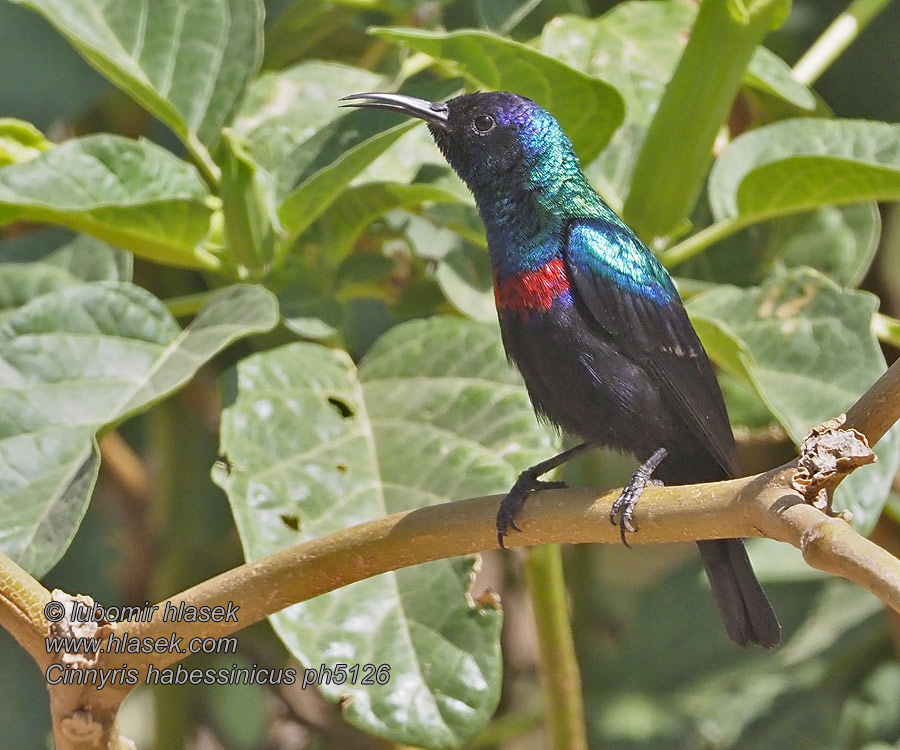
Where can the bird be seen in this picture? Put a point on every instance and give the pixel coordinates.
(594, 324)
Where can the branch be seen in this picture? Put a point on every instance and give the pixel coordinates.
(22, 601)
(763, 505)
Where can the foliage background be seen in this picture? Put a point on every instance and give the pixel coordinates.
(656, 669)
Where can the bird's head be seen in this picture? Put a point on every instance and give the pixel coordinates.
(491, 139)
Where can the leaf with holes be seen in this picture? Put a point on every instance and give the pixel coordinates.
(807, 347)
(76, 360)
(434, 413)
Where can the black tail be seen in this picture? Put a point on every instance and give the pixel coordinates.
(743, 605)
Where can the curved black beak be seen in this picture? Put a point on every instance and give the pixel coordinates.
(435, 113)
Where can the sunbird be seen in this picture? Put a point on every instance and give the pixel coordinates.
(593, 322)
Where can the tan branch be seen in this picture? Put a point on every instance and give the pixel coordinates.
(22, 601)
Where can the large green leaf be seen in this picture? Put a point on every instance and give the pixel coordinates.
(186, 62)
(433, 413)
(804, 163)
(132, 194)
(76, 360)
(588, 109)
(807, 347)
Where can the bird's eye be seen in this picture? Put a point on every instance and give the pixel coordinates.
(483, 123)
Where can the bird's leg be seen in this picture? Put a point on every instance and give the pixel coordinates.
(528, 481)
(623, 507)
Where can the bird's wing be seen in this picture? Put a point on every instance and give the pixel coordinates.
(630, 296)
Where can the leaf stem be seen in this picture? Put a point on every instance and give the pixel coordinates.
(504, 729)
(560, 678)
(836, 38)
(211, 173)
(701, 240)
(188, 304)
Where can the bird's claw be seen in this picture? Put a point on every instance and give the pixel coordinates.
(515, 499)
(622, 512)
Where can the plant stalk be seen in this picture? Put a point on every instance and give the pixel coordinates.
(677, 151)
(560, 677)
(836, 38)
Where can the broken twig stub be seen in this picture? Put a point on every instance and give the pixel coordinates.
(827, 455)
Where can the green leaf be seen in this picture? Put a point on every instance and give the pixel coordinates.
(768, 72)
(20, 141)
(188, 63)
(839, 241)
(800, 164)
(29, 268)
(285, 108)
(338, 161)
(132, 194)
(84, 257)
(339, 227)
(405, 160)
(588, 109)
(433, 413)
(74, 361)
(297, 29)
(807, 347)
(310, 309)
(248, 207)
(464, 275)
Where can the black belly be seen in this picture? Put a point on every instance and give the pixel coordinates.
(579, 381)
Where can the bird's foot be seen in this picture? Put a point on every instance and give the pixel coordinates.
(622, 512)
(511, 504)
(528, 481)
